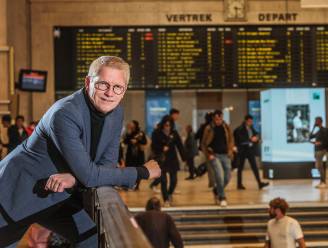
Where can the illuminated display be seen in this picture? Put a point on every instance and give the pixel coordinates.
(198, 57)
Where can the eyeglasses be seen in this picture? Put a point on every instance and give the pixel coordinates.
(104, 86)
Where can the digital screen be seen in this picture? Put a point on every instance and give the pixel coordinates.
(287, 119)
(254, 109)
(158, 104)
(197, 57)
(32, 80)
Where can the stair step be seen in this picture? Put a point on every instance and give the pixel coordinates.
(242, 217)
(204, 227)
(320, 244)
(243, 237)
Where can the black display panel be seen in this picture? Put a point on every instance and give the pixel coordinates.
(198, 57)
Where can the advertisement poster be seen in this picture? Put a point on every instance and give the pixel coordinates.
(158, 104)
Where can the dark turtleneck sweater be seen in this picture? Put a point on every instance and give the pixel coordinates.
(97, 123)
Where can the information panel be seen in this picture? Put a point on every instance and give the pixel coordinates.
(198, 57)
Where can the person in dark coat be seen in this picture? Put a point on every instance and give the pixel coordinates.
(6, 123)
(202, 168)
(159, 227)
(318, 137)
(173, 116)
(191, 150)
(165, 140)
(135, 140)
(16, 133)
(246, 139)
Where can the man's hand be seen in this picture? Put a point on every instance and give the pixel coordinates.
(254, 139)
(301, 243)
(153, 169)
(165, 148)
(60, 182)
(211, 157)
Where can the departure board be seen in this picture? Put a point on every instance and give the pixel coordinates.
(198, 57)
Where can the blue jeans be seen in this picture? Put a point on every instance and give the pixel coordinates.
(221, 166)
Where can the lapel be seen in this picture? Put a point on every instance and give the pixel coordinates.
(106, 135)
(86, 139)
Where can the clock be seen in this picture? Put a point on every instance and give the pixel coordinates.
(235, 10)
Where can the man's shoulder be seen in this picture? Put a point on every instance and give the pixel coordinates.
(239, 128)
(74, 99)
(286, 219)
(291, 220)
(67, 107)
(208, 128)
(70, 104)
(152, 214)
(271, 221)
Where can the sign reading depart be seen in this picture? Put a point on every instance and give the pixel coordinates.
(198, 57)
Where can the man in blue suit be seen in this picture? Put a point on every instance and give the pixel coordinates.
(75, 146)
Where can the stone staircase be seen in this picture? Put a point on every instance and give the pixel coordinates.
(245, 226)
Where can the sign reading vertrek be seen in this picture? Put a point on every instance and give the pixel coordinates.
(189, 18)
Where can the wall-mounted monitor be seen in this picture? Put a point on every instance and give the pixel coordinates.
(32, 80)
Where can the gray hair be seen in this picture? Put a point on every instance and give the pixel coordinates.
(111, 62)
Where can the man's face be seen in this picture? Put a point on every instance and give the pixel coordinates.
(175, 116)
(272, 212)
(218, 120)
(249, 122)
(167, 126)
(130, 127)
(106, 100)
(5, 124)
(318, 122)
(19, 122)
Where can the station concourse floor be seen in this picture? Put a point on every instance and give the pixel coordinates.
(196, 192)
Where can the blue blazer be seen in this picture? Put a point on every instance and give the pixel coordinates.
(61, 143)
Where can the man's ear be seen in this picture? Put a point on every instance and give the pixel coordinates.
(87, 82)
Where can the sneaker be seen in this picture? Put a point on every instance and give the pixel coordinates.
(223, 203)
(156, 190)
(262, 185)
(321, 186)
(167, 204)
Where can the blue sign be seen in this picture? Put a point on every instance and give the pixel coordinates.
(254, 109)
(158, 104)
